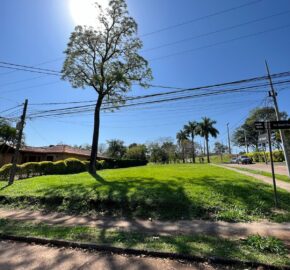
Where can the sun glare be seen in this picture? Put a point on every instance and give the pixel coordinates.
(84, 12)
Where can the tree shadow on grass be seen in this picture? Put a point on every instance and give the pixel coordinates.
(98, 178)
(130, 197)
(4, 187)
(208, 197)
(244, 198)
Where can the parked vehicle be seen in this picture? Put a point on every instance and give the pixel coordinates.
(244, 160)
(234, 160)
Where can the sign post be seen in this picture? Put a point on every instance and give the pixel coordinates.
(272, 163)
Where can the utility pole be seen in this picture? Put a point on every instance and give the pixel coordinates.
(20, 127)
(285, 146)
(246, 142)
(272, 164)
(229, 140)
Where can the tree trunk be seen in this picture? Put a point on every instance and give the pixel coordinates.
(207, 150)
(95, 141)
(183, 152)
(193, 149)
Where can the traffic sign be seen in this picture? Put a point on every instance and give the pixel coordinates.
(260, 125)
(263, 138)
(280, 125)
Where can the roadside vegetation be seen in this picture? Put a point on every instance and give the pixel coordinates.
(255, 248)
(168, 192)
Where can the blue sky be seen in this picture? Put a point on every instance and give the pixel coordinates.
(34, 32)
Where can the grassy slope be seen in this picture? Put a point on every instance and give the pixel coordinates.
(159, 191)
(281, 177)
(183, 244)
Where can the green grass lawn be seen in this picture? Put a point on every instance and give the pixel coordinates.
(158, 191)
(281, 177)
(265, 250)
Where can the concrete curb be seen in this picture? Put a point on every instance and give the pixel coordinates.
(135, 252)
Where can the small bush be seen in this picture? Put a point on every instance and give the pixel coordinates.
(74, 165)
(278, 156)
(268, 244)
(46, 167)
(68, 166)
(5, 171)
(29, 169)
(59, 167)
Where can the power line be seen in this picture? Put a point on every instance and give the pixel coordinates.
(80, 109)
(216, 32)
(10, 109)
(200, 18)
(28, 67)
(278, 75)
(29, 70)
(220, 43)
(21, 81)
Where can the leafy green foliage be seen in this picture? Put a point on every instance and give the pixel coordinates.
(278, 156)
(4, 171)
(7, 132)
(68, 166)
(106, 58)
(268, 244)
(116, 149)
(206, 129)
(137, 152)
(248, 127)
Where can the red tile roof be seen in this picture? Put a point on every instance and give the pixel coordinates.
(56, 149)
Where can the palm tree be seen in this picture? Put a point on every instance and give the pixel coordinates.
(191, 129)
(181, 137)
(205, 129)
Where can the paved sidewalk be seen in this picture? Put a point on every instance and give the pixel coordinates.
(219, 228)
(265, 179)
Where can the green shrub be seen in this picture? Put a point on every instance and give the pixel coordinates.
(46, 167)
(268, 244)
(278, 156)
(102, 165)
(74, 165)
(59, 167)
(5, 171)
(68, 166)
(29, 169)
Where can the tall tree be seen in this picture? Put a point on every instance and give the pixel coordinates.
(8, 134)
(247, 131)
(136, 151)
(182, 139)
(220, 149)
(206, 129)
(191, 129)
(106, 59)
(116, 149)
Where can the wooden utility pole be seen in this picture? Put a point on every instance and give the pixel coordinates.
(20, 127)
(229, 139)
(272, 164)
(285, 146)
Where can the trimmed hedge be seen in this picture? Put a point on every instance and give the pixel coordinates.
(68, 166)
(278, 156)
(4, 171)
